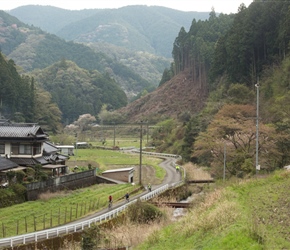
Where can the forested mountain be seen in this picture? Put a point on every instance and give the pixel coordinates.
(231, 60)
(22, 101)
(143, 28)
(186, 82)
(17, 95)
(32, 48)
(78, 91)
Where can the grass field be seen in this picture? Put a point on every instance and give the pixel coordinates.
(53, 209)
(111, 159)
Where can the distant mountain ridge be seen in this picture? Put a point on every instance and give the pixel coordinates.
(31, 48)
(152, 29)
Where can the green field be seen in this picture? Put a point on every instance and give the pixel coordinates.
(54, 209)
(110, 159)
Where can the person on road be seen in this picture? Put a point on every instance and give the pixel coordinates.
(127, 197)
(177, 168)
(149, 187)
(110, 201)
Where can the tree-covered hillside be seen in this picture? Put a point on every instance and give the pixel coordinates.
(151, 29)
(255, 50)
(78, 91)
(232, 59)
(22, 101)
(32, 49)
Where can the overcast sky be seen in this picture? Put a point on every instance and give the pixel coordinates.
(224, 6)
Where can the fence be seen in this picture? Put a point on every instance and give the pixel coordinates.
(78, 226)
(50, 218)
(60, 180)
(70, 181)
(157, 154)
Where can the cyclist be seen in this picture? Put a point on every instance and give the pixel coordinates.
(127, 197)
(149, 187)
(110, 201)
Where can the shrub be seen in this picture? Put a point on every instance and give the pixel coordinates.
(19, 176)
(19, 189)
(143, 212)
(10, 175)
(91, 238)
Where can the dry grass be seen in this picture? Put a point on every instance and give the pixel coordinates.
(213, 213)
(132, 234)
(196, 173)
(49, 195)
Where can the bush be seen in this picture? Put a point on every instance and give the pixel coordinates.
(91, 238)
(7, 197)
(19, 189)
(15, 194)
(19, 176)
(143, 212)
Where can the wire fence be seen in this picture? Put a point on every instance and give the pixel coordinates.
(51, 218)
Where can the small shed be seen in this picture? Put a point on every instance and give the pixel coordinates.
(55, 170)
(120, 174)
(82, 145)
(66, 149)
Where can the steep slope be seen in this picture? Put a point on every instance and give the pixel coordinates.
(173, 98)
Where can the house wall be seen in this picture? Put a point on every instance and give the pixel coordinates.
(71, 181)
(9, 152)
(66, 150)
(121, 176)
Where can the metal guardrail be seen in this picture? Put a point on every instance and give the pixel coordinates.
(54, 232)
(157, 154)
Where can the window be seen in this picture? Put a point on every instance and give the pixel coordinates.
(36, 148)
(21, 149)
(14, 149)
(2, 148)
(25, 149)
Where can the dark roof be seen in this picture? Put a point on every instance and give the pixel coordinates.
(29, 161)
(6, 164)
(49, 148)
(56, 157)
(21, 130)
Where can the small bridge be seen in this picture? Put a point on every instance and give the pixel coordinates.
(201, 181)
(172, 204)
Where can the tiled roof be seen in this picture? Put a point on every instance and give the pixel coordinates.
(50, 148)
(29, 161)
(21, 130)
(55, 157)
(6, 164)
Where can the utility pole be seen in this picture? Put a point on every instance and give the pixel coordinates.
(114, 134)
(147, 132)
(225, 155)
(76, 154)
(140, 167)
(257, 129)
